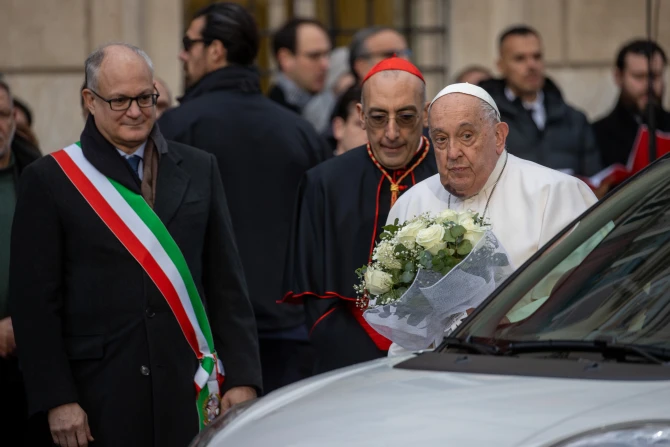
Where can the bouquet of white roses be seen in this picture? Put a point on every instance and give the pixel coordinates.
(426, 272)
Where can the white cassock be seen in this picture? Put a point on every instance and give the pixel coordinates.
(529, 206)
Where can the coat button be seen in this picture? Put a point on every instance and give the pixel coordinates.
(150, 312)
(145, 370)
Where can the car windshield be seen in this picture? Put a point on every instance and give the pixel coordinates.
(607, 279)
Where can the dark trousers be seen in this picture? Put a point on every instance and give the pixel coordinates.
(16, 429)
(284, 362)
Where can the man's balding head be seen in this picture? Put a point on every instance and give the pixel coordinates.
(468, 139)
(119, 55)
(393, 110)
(116, 73)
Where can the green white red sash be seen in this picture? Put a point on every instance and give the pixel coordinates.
(140, 230)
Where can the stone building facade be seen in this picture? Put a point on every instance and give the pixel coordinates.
(44, 43)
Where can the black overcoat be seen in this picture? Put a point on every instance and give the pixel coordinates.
(91, 326)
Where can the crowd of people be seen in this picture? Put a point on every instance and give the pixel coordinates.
(180, 259)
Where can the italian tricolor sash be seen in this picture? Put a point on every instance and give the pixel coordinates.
(142, 233)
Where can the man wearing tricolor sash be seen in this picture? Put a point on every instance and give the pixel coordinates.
(129, 303)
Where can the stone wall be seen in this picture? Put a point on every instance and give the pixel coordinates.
(581, 39)
(45, 43)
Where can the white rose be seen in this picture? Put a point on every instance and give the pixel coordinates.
(431, 238)
(407, 234)
(447, 216)
(474, 235)
(466, 219)
(377, 282)
(384, 254)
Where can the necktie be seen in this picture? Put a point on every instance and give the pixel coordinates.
(134, 162)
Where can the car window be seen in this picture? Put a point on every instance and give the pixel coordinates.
(613, 282)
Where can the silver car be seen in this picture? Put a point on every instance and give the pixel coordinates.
(571, 351)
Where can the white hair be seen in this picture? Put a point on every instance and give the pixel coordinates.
(94, 61)
(487, 111)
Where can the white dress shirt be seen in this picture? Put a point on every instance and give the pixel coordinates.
(538, 112)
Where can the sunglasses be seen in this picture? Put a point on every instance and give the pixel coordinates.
(188, 43)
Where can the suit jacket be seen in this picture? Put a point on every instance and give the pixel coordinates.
(567, 140)
(91, 326)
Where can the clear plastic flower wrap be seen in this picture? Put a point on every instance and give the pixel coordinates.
(434, 302)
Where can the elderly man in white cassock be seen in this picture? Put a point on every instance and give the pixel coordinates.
(525, 203)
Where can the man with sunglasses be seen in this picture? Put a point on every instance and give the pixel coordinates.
(131, 312)
(262, 150)
(343, 206)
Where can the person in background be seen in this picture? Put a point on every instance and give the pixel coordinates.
(164, 101)
(616, 132)
(348, 130)
(302, 50)
(371, 45)
(319, 109)
(473, 74)
(542, 127)
(23, 118)
(15, 155)
(263, 150)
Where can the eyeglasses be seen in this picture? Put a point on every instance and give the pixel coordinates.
(381, 120)
(123, 103)
(406, 53)
(188, 43)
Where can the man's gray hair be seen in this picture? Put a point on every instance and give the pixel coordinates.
(94, 61)
(488, 112)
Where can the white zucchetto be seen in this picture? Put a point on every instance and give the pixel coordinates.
(467, 89)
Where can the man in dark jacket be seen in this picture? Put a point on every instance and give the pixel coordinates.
(263, 150)
(617, 131)
(542, 127)
(15, 155)
(302, 50)
(126, 283)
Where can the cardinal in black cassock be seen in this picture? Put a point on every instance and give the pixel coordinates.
(342, 207)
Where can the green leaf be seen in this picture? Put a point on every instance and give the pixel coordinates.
(400, 249)
(448, 237)
(410, 267)
(457, 231)
(464, 247)
(445, 270)
(407, 277)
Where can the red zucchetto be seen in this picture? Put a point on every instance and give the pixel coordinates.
(394, 63)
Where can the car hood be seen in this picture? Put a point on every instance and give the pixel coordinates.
(375, 404)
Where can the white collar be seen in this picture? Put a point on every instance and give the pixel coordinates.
(539, 99)
(139, 151)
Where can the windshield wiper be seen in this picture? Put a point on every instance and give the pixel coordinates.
(455, 342)
(658, 356)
